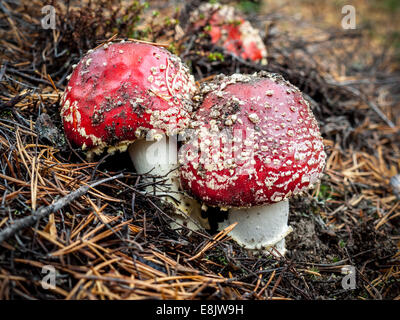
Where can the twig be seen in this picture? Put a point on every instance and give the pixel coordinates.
(10, 104)
(44, 211)
(369, 102)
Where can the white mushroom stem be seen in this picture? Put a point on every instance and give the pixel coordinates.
(159, 158)
(260, 227)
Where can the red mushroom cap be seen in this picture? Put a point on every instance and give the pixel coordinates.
(256, 142)
(230, 31)
(119, 91)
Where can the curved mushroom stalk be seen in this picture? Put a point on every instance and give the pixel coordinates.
(260, 227)
(159, 157)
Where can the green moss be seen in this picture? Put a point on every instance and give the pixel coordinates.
(391, 6)
(216, 56)
(172, 48)
(250, 6)
(325, 192)
(335, 259)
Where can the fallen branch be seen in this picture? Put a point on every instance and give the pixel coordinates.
(44, 211)
(10, 104)
(363, 98)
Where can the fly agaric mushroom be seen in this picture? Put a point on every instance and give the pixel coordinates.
(257, 143)
(134, 95)
(228, 29)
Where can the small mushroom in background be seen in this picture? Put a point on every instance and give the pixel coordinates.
(228, 29)
(257, 143)
(133, 96)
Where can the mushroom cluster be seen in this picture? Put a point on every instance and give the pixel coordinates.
(250, 141)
